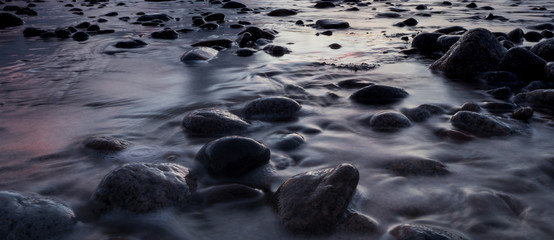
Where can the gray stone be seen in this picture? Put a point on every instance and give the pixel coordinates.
(257, 33)
(144, 187)
(212, 121)
(232, 156)
(422, 112)
(26, 217)
(271, 108)
(314, 202)
(416, 167)
(288, 141)
(426, 42)
(523, 63)
(423, 232)
(477, 51)
(480, 125)
(389, 121)
(533, 36)
(105, 144)
(540, 100)
(545, 50)
(377, 94)
(165, 34)
(9, 20)
(331, 24)
(199, 54)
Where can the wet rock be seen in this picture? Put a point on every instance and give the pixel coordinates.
(543, 26)
(276, 50)
(416, 167)
(410, 22)
(549, 71)
(233, 4)
(357, 223)
(144, 187)
(215, 17)
(93, 28)
(156, 16)
(423, 232)
(445, 42)
(26, 11)
(523, 113)
(354, 83)
(212, 121)
(257, 33)
(198, 22)
(507, 44)
(80, 36)
(421, 7)
(516, 35)
(454, 135)
(471, 5)
(331, 24)
(426, 42)
(389, 121)
(226, 43)
(32, 32)
(450, 30)
(499, 107)
(324, 4)
(540, 100)
(26, 217)
(133, 43)
(105, 144)
(165, 34)
(209, 26)
(476, 51)
(422, 112)
(48, 34)
(470, 106)
(62, 33)
(314, 202)
(501, 93)
(501, 79)
(229, 193)
(378, 94)
(232, 156)
(388, 15)
(111, 14)
(532, 36)
(335, 46)
(288, 141)
(83, 25)
(480, 125)
(245, 52)
(281, 12)
(271, 108)
(9, 20)
(545, 50)
(522, 62)
(547, 34)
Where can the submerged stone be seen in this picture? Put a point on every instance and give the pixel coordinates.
(229, 194)
(480, 125)
(105, 144)
(156, 16)
(271, 108)
(416, 167)
(165, 34)
(376, 94)
(199, 54)
(212, 121)
(226, 43)
(423, 232)
(276, 50)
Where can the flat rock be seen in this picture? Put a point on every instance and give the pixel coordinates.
(423, 232)
(545, 50)
(144, 187)
(232, 156)
(389, 121)
(9, 20)
(314, 202)
(477, 51)
(105, 144)
(523, 63)
(416, 167)
(480, 125)
(26, 217)
(540, 100)
(282, 12)
(331, 24)
(212, 121)
(379, 94)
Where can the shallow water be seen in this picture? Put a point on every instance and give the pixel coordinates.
(55, 93)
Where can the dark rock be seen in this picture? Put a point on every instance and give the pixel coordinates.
(545, 50)
(449, 30)
(300, 22)
(426, 42)
(422, 112)
(233, 4)
(327, 33)
(111, 14)
(215, 17)
(245, 40)
(229, 193)
(523, 63)
(331, 24)
(472, 107)
(62, 33)
(549, 71)
(354, 83)
(523, 113)
(156, 16)
(540, 100)
(416, 231)
(324, 4)
(501, 93)
(499, 107)
(281, 12)
(26, 11)
(185, 30)
(93, 28)
(533, 36)
(476, 51)
(9, 20)
(271, 108)
(144, 187)
(416, 167)
(211, 121)
(388, 15)
(226, 43)
(288, 141)
(480, 125)
(535, 85)
(26, 217)
(491, 16)
(258, 33)
(209, 26)
(471, 5)
(389, 121)
(547, 34)
(543, 26)
(11, 8)
(357, 223)
(445, 42)
(276, 50)
(454, 135)
(335, 46)
(32, 32)
(198, 22)
(245, 52)
(80, 36)
(314, 202)
(446, 3)
(232, 156)
(516, 35)
(105, 144)
(501, 79)
(352, 9)
(48, 34)
(410, 22)
(165, 34)
(377, 94)
(133, 43)
(421, 7)
(83, 25)
(507, 44)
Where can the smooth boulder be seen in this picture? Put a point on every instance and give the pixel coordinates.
(271, 108)
(314, 202)
(545, 50)
(540, 100)
(26, 217)
(232, 156)
(476, 51)
(426, 42)
(9, 20)
(144, 187)
(331, 24)
(213, 121)
(281, 12)
(480, 125)
(523, 63)
(389, 121)
(105, 144)
(378, 94)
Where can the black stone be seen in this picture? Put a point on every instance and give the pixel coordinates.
(516, 35)
(133, 43)
(271, 108)
(416, 167)
(32, 32)
(276, 50)
(9, 20)
(426, 42)
(523, 63)
(157, 16)
(324, 4)
(376, 94)
(165, 34)
(541, 100)
(331, 24)
(480, 125)
(211, 121)
(226, 43)
(533, 36)
(215, 17)
(80, 36)
(545, 50)
(233, 4)
(281, 12)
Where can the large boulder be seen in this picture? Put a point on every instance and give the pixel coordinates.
(144, 187)
(480, 125)
(376, 94)
(476, 51)
(314, 202)
(522, 62)
(540, 100)
(271, 108)
(544, 49)
(9, 20)
(213, 121)
(232, 156)
(25, 217)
